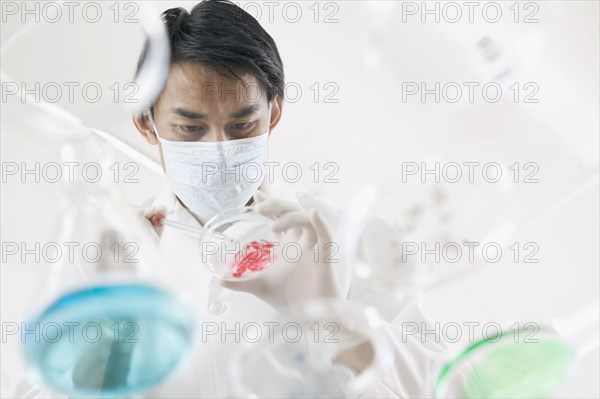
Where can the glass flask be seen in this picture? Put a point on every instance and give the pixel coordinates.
(111, 321)
(409, 239)
(520, 363)
(306, 354)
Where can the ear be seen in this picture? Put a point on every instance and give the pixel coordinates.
(276, 111)
(142, 124)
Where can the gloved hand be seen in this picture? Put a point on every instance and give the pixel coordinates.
(289, 282)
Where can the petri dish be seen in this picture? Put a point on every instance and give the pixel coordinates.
(112, 340)
(505, 367)
(238, 244)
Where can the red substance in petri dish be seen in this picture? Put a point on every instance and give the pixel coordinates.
(255, 256)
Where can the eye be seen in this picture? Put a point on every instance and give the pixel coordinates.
(242, 126)
(191, 129)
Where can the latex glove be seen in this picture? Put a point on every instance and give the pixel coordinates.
(313, 276)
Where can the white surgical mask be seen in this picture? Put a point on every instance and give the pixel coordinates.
(211, 177)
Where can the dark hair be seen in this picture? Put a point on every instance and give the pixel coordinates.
(220, 35)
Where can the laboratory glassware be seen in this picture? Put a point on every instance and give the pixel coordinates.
(111, 321)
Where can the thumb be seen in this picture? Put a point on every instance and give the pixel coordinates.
(259, 197)
(321, 228)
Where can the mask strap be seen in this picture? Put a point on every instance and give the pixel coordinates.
(151, 119)
(269, 113)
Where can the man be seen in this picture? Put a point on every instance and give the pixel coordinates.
(221, 101)
(225, 86)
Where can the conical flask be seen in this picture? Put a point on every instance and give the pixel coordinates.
(111, 322)
(533, 361)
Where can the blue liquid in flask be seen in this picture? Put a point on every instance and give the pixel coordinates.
(109, 340)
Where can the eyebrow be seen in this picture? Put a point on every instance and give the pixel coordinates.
(246, 111)
(189, 114)
(186, 113)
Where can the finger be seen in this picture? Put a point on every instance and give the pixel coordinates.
(255, 287)
(321, 228)
(259, 197)
(295, 234)
(309, 237)
(291, 220)
(320, 225)
(300, 224)
(330, 286)
(297, 220)
(275, 207)
(292, 235)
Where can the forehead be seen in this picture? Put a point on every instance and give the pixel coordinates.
(200, 87)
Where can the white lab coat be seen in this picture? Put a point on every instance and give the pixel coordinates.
(416, 359)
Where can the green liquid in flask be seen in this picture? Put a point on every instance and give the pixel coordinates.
(520, 370)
